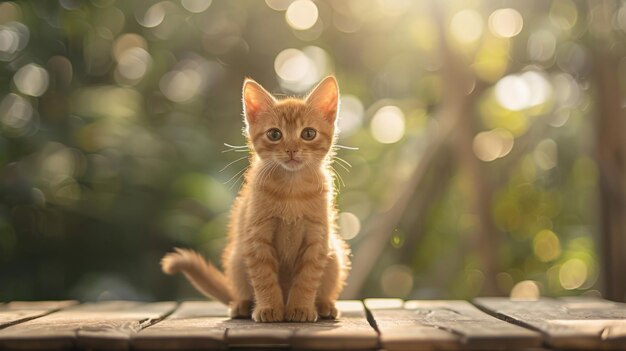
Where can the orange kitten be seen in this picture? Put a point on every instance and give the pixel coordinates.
(284, 260)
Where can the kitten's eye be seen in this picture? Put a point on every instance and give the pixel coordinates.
(308, 134)
(274, 134)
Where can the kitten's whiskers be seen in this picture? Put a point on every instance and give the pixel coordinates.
(235, 161)
(240, 173)
(337, 176)
(236, 148)
(346, 147)
(343, 166)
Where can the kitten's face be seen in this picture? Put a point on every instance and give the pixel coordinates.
(292, 133)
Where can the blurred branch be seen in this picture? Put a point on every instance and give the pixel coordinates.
(486, 240)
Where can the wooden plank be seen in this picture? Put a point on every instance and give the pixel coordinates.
(567, 323)
(103, 325)
(195, 325)
(448, 325)
(477, 330)
(21, 311)
(351, 331)
(404, 330)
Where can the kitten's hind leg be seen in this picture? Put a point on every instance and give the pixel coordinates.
(329, 289)
(241, 309)
(241, 306)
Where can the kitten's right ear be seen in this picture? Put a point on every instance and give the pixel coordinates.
(255, 100)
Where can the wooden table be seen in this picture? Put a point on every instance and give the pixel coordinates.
(373, 324)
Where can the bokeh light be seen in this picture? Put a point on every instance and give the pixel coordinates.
(180, 86)
(388, 125)
(349, 225)
(302, 14)
(527, 290)
(573, 274)
(32, 79)
(519, 92)
(506, 23)
(196, 6)
(153, 16)
(491, 145)
(134, 63)
(278, 5)
(546, 245)
(299, 70)
(467, 26)
(16, 115)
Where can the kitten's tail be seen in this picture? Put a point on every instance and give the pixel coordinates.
(202, 274)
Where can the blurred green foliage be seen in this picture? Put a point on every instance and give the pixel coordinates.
(113, 116)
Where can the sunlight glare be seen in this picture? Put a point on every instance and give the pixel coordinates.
(467, 26)
(299, 70)
(301, 14)
(519, 92)
(292, 65)
(349, 225)
(387, 126)
(506, 23)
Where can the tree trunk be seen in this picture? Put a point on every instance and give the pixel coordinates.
(610, 133)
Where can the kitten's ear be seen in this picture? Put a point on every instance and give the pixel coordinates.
(325, 98)
(255, 100)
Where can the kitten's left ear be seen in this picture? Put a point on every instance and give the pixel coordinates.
(256, 100)
(325, 98)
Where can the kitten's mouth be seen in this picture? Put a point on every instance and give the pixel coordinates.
(292, 164)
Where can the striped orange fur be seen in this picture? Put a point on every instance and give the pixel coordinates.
(284, 260)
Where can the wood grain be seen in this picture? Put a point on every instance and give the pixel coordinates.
(404, 330)
(195, 325)
(103, 325)
(572, 323)
(351, 331)
(447, 325)
(21, 311)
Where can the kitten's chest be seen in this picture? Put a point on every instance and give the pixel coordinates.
(288, 239)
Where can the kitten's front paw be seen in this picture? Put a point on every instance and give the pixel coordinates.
(268, 314)
(301, 314)
(240, 309)
(326, 309)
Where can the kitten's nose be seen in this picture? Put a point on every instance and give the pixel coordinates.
(291, 153)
